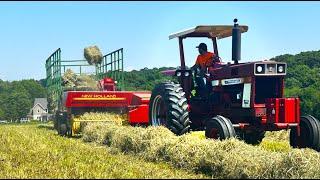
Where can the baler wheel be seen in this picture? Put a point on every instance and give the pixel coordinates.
(168, 107)
(309, 134)
(63, 129)
(219, 127)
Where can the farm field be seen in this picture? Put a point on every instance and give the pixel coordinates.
(112, 151)
(36, 151)
(199, 90)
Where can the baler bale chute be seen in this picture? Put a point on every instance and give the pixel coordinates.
(74, 103)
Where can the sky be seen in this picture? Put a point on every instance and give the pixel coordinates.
(32, 31)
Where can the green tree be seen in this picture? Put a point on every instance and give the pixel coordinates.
(34, 88)
(17, 105)
(2, 114)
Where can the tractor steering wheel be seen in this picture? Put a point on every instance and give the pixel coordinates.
(216, 59)
(199, 72)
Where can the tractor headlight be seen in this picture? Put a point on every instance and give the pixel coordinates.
(260, 68)
(281, 68)
(186, 73)
(178, 74)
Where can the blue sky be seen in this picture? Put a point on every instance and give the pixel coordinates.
(31, 31)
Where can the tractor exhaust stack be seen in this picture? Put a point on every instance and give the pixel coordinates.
(236, 42)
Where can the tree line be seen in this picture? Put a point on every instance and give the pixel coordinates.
(17, 97)
(302, 80)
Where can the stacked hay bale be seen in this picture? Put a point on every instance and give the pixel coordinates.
(83, 82)
(86, 83)
(69, 79)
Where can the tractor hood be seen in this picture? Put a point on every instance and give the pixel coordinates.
(258, 68)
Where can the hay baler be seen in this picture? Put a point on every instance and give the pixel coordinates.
(111, 97)
(242, 99)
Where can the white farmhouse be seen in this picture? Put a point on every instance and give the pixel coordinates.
(39, 111)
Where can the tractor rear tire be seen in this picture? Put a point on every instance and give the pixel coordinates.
(168, 107)
(309, 134)
(219, 127)
(253, 138)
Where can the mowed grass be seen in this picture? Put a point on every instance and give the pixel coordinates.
(33, 151)
(232, 158)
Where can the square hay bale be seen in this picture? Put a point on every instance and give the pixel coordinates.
(93, 55)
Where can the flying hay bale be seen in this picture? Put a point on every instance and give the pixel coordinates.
(230, 158)
(93, 55)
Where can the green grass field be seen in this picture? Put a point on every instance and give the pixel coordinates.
(33, 151)
(108, 151)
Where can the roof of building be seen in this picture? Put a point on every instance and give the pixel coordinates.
(42, 101)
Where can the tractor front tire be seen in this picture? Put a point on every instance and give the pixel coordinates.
(253, 137)
(219, 127)
(168, 107)
(309, 134)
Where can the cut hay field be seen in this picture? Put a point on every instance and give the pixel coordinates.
(36, 151)
(108, 150)
(232, 158)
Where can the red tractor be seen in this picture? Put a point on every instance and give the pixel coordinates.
(244, 99)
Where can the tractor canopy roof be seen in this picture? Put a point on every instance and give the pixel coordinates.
(208, 31)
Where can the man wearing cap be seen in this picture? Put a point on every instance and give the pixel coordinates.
(204, 60)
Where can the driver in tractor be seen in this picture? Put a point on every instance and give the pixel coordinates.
(204, 60)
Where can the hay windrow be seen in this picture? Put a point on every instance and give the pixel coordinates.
(220, 159)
